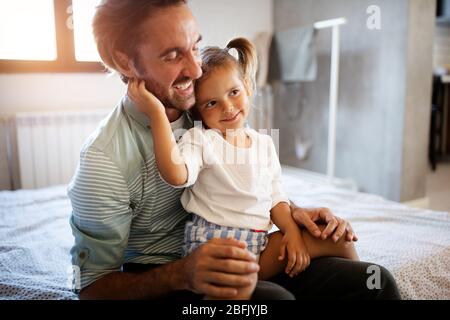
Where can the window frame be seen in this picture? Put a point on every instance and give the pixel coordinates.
(65, 46)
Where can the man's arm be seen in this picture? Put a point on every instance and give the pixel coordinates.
(217, 268)
(151, 284)
(335, 226)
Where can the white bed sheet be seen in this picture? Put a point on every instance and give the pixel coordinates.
(35, 239)
(414, 244)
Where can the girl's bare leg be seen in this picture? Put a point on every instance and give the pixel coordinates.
(271, 266)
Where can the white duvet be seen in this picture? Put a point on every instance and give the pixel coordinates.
(35, 239)
(413, 244)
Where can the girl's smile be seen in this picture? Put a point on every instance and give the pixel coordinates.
(233, 118)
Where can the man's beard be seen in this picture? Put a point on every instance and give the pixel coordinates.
(170, 99)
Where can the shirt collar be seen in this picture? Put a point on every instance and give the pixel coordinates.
(132, 110)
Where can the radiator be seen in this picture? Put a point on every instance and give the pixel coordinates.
(5, 162)
(49, 144)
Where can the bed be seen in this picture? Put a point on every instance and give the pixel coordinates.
(414, 244)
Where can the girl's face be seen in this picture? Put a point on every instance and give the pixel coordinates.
(223, 99)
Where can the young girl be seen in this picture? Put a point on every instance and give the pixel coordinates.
(231, 173)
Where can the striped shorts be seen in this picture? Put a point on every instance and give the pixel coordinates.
(199, 231)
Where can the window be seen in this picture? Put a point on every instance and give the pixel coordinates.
(83, 13)
(28, 33)
(47, 36)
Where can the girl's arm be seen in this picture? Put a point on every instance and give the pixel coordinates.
(292, 242)
(281, 216)
(293, 245)
(168, 158)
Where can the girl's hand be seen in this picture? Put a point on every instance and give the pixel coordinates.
(297, 254)
(145, 100)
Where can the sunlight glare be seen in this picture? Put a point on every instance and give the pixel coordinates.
(27, 30)
(83, 13)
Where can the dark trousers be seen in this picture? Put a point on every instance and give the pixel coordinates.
(337, 278)
(326, 278)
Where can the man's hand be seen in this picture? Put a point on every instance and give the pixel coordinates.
(297, 254)
(219, 267)
(145, 100)
(335, 226)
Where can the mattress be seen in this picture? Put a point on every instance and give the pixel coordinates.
(414, 244)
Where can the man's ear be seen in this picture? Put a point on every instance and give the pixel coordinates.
(124, 64)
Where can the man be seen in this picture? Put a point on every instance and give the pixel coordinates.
(128, 224)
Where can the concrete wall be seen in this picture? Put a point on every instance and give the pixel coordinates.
(384, 97)
(220, 21)
(418, 98)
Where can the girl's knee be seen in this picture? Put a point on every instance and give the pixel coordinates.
(348, 250)
(345, 249)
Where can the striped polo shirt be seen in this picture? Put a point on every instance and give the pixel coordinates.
(121, 209)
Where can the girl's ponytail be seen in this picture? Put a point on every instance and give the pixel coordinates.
(247, 59)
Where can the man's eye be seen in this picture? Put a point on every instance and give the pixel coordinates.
(171, 56)
(196, 52)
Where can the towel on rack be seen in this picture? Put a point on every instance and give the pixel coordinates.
(262, 43)
(295, 55)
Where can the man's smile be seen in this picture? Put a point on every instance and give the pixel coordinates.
(184, 89)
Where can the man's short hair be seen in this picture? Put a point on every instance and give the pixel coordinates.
(117, 23)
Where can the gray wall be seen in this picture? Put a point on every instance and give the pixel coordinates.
(384, 97)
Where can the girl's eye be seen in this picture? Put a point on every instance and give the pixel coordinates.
(210, 104)
(235, 92)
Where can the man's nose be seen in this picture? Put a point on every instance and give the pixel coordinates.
(192, 68)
